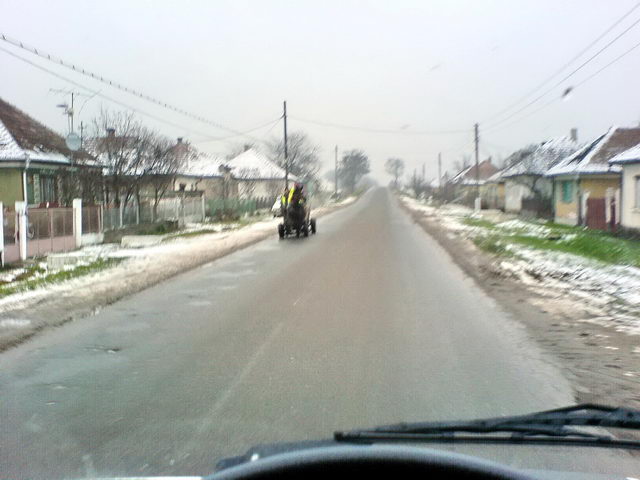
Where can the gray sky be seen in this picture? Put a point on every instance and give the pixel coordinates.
(411, 65)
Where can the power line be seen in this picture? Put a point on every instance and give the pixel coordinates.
(378, 130)
(564, 67)
(554, 100)
(271, 123)
(114, 84)
(570, 74)
(98, 93)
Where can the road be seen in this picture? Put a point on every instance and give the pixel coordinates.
(367, 322)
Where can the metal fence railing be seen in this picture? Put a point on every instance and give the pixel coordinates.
(91, 219)
(183, 210)
(217, 207)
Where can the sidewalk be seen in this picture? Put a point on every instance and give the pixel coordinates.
(24, 314)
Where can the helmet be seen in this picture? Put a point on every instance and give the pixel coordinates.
(299, 186)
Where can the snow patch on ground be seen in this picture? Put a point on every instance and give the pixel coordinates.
(610, 293)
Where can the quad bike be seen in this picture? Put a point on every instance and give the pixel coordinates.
(297, 221)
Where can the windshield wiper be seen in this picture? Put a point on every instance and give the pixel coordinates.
(549, 426)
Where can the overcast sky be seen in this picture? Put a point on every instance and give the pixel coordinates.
(403, 66)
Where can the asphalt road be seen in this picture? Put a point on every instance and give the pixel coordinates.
(367, 322)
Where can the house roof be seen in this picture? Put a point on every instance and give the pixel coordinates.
(632, 155)
(594, 157)
(22, 135)
(468, 176)
(538, 159)
(203, 165)
(253, 164)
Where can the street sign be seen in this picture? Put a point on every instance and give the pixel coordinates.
(73, 142)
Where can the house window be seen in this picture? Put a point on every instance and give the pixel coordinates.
(567, 191)
(637, 192)
(47, 189)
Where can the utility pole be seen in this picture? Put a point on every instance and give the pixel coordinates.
(336, 170)
(476, 141)
(82, 135)
(286, 154)
(71, 111)
(439, 170)
(423, 172)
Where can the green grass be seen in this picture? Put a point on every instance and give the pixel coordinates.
(478, 222)
(55, 277)
(593, 244)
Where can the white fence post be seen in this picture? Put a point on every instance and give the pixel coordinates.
(121, 213)
(77, 221)
(21, 213)
(1, 234)
(203, 209)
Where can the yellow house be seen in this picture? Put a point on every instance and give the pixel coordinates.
(629, 161)
(586, 187)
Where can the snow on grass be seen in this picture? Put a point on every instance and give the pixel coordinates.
(597, 270)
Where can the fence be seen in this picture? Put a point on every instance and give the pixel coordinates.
(91, 219)
(537, 207)
(49, 230)
(219, 207)
(184, 210)
(11, 248)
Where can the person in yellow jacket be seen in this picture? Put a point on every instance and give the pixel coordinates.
(296, 195)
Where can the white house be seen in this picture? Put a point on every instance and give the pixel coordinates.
(629, 160)
(257, 176)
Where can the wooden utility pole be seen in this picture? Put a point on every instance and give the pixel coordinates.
(476, 141)
(286, 154)
(439, 170)
(336, 171)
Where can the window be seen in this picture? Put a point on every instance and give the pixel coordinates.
(637, 192)
(47, 189)
(567, 191)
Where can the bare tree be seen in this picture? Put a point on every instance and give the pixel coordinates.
(123, 145)
(418, 184)
(395, 168)
(162, 164)
(302, 155)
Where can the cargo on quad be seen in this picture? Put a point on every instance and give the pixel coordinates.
(296, 220)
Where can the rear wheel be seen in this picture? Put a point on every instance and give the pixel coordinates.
(305, 230)
(281, 230)
(312, 222)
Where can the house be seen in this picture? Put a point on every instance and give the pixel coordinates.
(257, 175)
(586, 186)
(526, 189)
(629, 162)
(206, 173)
(493, 192)
(467, 184)
(35, 157)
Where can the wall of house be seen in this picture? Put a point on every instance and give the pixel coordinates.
(260, 188)
(630, 217)
(566, 212)
(513, 194)
(10, 186)
(597, 186)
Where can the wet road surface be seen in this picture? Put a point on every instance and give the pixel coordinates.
(367, 322)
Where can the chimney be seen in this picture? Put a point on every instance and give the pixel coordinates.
(574, 134)
(111, 132)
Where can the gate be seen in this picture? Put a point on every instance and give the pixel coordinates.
(596, 213)
(49, 230)
(10, 235)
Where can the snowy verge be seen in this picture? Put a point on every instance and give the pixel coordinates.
(608, 294)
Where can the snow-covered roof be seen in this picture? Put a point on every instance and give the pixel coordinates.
(468, 175)
(22, 136)
(538, 159)
(631, 155)
(253, 164)
(496, 177)
(203, 165)
(594, 157)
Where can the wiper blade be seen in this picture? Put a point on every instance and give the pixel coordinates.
(548, 423)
